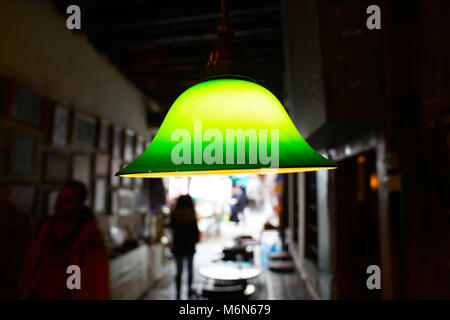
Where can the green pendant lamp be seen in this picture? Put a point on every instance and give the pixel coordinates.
(227, 124)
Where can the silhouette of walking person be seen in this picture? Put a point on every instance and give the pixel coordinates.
(183, 223)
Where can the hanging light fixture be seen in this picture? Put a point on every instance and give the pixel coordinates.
(226, 124)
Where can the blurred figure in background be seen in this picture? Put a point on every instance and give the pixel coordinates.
(183, 223)
(239, 202)
(14, 236)
(70, 237)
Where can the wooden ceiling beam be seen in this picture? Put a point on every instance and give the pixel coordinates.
(151, 25)
(241, 37)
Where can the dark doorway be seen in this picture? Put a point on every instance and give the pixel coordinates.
(311, 235)
(295, 209)
(354, 207)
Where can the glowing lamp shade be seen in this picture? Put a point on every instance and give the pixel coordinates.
(226, 126)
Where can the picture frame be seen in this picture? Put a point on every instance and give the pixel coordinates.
(126, 201)
(142, 203)
(24, 150)
(126, 182)
(24, 105)
(117, 142)
(114, 202)
(100, 196)
(138, 182)
(57, 168)
(128, 146)
(103, 136)
(61, 123)
(101, 164)
(116, 165)
(81, 169)
(138, 150)
(84, 130)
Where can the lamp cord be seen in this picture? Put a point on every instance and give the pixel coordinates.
(224, 7)
(224, 30)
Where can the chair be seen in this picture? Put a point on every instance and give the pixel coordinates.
(238, 253)
(244, 240)
(282, 255)
(281, 266)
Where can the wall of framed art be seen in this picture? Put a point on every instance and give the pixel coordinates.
(48, 143)
(72, 103)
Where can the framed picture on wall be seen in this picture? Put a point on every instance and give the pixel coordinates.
(138, 149)
(23, 197)
(81, 169)
(84, 130)
(101, 164)
(117, 142)
(100, 195)
(60, 133)
(127, 182)
(103, 136)
(142, 200)
(128, 147)
(138, 182)
(126, 201)
(23, 154)
(56, 168)
(114, 202)
(115, 166)
(24, 105)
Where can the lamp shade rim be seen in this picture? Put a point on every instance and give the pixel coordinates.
(188, 173)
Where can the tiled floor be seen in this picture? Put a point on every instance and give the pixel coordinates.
(270, 285)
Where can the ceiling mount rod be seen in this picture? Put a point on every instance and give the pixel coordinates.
(224, 7)
(224, 30)
(226, 60)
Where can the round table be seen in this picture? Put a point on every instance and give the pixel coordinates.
(230, 271)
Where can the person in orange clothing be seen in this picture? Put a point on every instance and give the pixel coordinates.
(70, 237)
